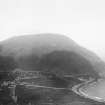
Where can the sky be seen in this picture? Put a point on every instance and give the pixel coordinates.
(81, 20)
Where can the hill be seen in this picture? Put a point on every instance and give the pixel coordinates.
(50, 52)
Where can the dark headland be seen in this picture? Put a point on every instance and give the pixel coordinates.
(42, 69)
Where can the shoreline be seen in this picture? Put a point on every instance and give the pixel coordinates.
(78, 90)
